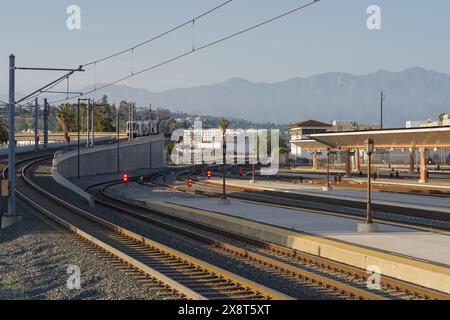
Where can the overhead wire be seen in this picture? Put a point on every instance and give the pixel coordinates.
(159, 35)
(210, 44)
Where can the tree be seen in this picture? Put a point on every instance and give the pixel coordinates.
(104, 118)
(66, 117)
(4, 133)
(223, 125)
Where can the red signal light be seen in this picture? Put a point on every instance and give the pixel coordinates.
(125, 177)
(190, 182)
(209, 174)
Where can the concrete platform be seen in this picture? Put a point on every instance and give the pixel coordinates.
(407, 254)
(403, 241)
(389, 198)
(397, 252)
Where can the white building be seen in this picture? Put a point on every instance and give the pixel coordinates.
(301, 131)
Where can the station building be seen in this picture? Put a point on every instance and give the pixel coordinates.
(419, 144)
(301, 131)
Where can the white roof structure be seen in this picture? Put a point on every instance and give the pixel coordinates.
(427, 137)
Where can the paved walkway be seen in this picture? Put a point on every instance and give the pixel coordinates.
(306, 188)
(404, 241)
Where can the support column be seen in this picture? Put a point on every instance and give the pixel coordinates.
(315, 163)
(88, 130)
(412, 160)
(46, 110)
(36, 127)
(347, 164)
(357, 160)
(11, 216)
(423, 166)
(93, 123)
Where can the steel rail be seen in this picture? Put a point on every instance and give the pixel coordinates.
(358, 204)
(418, 291)
(269, 263)
(310, 200)
(223, 284)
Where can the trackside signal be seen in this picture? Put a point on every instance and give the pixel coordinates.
(125, 178)
(209, 174)
(190, 182)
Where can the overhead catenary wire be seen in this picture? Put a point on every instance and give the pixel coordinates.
(210, 44)
(159, 35)
(38, 93)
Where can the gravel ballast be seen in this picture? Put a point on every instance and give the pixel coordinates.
(35, 256)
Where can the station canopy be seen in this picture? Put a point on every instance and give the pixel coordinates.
(423, 137)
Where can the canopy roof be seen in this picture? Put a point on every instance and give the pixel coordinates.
(426, 137)
(310, 144)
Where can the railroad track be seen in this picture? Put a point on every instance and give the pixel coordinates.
(177, 275)
(390, 214)
(340, 279)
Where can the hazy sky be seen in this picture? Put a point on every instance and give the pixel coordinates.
(329, 36)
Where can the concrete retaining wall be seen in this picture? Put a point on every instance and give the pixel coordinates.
(140, 154)
(50, 146)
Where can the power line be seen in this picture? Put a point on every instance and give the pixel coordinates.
(194, 50)
(159, 35)
(51, 85)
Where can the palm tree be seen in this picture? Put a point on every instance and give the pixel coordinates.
(223, 125)
(66, 117)
(4, 133)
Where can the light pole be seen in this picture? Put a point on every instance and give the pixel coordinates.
(328, 168)
(224, 126)
(118, 139)
(78, 136)
(369, 148)
(368, 225)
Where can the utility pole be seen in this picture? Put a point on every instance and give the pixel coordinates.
(93, 122)
(338, 124)
(150, 132)
(130, 122)
(36, 128)
(78, 139)
(46, 111)
(87, 123)
(11, 217)
(132, 117)
(118, 139)
(382, 96)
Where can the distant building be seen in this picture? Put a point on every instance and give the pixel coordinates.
(444, 120)
(343, 125)
(301, 131)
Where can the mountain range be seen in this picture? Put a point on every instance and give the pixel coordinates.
(412, 94)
